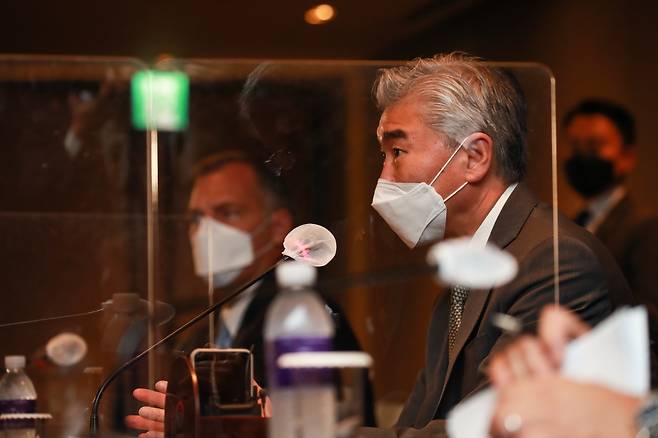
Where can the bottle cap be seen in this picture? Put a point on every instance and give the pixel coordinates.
(15, 361)
(295, 274)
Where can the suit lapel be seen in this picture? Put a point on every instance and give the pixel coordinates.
(514, 214)
(436, 364)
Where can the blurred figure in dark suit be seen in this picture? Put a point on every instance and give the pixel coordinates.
(601, 135)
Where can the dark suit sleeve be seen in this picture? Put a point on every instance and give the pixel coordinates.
(421, 390)
(584, 288)
(641, 264)
(642, 275)
(416, 397)
(583, 284)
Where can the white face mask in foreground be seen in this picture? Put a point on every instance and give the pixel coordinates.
(414, 211)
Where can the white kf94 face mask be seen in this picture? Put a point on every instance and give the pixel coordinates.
(220, 251)
(414, 211)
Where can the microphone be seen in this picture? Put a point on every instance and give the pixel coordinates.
(308, 243)
(67, 349)
(454, 261)
(50, 318)
(466, 263)
(113, 305)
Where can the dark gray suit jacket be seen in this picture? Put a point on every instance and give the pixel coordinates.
(631, 236)
(590, 284)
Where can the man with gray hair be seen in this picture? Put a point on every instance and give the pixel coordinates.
(453, 137)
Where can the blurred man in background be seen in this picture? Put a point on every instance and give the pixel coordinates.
(601, 135)
(239, 212)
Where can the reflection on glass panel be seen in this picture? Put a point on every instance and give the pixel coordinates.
(310, 127)
(111, 224)
(72, 220)
(91, 207)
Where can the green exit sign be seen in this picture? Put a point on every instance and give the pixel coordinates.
(160, 100)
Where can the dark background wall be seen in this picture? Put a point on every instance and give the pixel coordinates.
(603, 48)
(606, 48)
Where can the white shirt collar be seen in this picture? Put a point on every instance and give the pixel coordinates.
(233, 311)
(601, 206)
(482, 234)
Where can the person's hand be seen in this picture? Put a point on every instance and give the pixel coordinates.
(539, 356)
(557, 327)
(555, 407)
(263, 400)
(151, 416)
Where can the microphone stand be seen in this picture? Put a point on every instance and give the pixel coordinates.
(93, 418)
(390, 275)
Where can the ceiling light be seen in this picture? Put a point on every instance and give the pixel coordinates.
(320, 14)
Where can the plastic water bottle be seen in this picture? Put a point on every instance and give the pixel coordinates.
(17, 396)
(298, 320)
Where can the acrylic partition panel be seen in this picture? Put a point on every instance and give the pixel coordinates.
(311, 127)
(73, 218)
(96, 201)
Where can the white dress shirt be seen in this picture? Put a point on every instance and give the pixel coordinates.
(233, 311)
(482, 234)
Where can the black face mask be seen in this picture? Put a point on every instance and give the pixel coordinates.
(590, 175)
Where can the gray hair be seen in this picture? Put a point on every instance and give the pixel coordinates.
(461, 94)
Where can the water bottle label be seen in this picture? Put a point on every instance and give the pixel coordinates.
(18, 407)
(290, 377)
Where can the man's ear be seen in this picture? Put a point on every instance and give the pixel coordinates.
(280, 225)
(479, 148)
